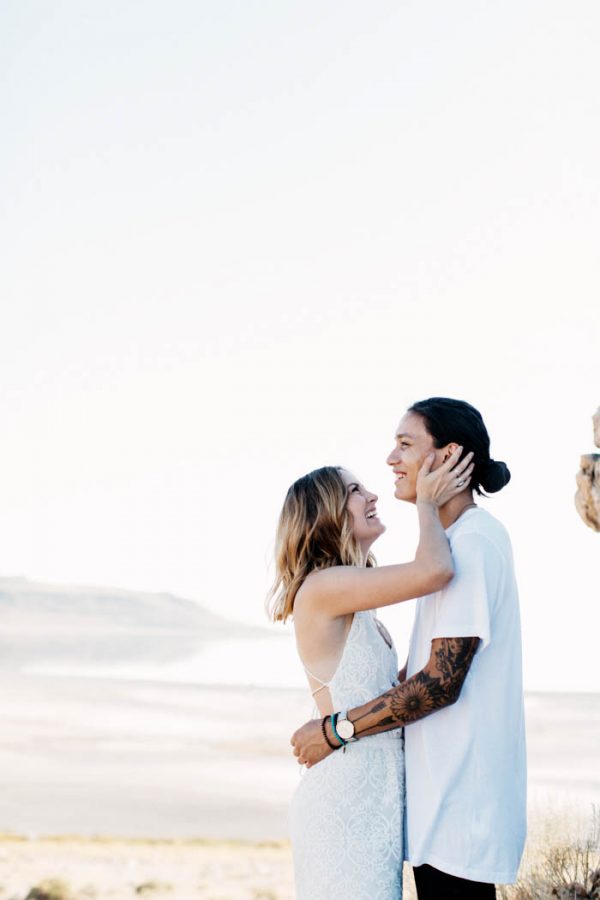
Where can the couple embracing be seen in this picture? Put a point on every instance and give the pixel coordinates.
(427, 763)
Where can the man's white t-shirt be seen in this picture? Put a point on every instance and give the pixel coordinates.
(465, 764)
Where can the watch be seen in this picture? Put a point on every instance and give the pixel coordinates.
(345, 728)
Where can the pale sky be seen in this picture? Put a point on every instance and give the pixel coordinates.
(239, 239)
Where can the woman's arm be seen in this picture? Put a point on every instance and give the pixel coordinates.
(346, 589)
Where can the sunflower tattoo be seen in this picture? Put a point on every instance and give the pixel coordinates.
(416, 700)
(436, 686)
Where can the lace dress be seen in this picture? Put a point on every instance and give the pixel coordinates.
(346, 817)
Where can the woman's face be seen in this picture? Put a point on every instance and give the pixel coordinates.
(361, 504)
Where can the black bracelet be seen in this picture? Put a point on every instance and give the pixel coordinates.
(323, 729)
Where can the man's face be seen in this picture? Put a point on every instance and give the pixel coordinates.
(413, 443)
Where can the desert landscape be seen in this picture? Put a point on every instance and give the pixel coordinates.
(118, 787)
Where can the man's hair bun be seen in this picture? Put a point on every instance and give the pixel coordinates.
(494, 476)
(456, 421)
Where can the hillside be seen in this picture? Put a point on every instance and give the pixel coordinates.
(42, 623)
(24, 602)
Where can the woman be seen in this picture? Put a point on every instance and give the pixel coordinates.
(347, 813)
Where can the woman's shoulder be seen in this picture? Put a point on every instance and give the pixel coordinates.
(314, 591)
(321, 580)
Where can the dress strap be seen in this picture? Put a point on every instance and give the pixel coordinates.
(322, 688)
(314, 677)
(323, 684)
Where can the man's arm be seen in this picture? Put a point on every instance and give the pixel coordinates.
(436, 686)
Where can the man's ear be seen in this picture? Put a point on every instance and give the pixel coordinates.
(448, 450)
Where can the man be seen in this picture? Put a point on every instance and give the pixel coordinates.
(465, 765)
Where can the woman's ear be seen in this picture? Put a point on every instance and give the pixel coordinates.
(448, 450)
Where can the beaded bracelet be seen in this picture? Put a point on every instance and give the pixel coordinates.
(325, 735)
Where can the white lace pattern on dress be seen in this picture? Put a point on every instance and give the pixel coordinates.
(347, 813)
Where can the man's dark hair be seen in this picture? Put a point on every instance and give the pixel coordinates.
(456, 421)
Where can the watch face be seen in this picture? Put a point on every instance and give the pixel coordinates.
(345, 729)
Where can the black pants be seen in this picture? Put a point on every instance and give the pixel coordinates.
(435, 885)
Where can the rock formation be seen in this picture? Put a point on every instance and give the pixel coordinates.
(587, 498)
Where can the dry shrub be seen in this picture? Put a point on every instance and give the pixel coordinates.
(150, 887)
(50, 889)
(564, 868)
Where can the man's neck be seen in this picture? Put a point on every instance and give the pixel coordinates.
(450, 512)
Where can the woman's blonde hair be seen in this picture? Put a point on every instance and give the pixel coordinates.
(314, 532)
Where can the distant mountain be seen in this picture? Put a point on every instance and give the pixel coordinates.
(50, 624)
(36, 604)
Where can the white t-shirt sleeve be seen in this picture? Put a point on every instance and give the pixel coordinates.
(463, 608)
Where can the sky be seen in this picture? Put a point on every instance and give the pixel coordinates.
(239, 239)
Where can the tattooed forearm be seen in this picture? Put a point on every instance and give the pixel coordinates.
(434, 687)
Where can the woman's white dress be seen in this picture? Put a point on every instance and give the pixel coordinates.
(347, 812)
